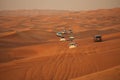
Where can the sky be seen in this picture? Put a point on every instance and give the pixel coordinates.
(59, 4)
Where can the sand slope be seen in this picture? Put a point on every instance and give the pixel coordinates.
(62, 63)
(109, 74)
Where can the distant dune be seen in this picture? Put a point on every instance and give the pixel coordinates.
(30, 49)
(32, 12)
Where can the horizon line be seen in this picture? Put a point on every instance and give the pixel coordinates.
(60, 9)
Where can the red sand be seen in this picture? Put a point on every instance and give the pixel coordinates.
(109, 74)
(30, 50)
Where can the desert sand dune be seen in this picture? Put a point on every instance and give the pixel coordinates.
(7, 33)
(109, 74)
(34, 52)
(63, 63)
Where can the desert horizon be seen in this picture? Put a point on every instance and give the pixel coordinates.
(57, 9)
(76, 5)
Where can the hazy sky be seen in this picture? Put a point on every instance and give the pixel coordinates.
(58, 4)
